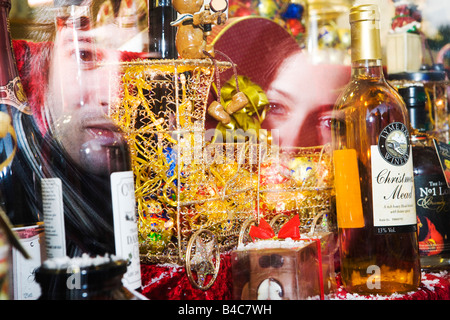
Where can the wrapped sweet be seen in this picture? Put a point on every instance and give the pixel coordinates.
(156, 226)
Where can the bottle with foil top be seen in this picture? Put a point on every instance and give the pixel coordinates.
(11, 90)
(377, 223)
(20, 172)
(15, 187)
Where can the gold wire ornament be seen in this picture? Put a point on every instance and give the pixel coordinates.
(193, 195)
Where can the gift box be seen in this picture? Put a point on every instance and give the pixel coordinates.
(276, 270)
(280, 268)
(404, 52)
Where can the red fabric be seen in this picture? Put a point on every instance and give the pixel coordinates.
(170, 282)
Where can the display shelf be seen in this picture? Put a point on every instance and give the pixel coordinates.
(170, 282)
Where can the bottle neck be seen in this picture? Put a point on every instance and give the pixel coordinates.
(11, 90)
(159, 3)
(7, 61)
(366, 48)
(367, 69)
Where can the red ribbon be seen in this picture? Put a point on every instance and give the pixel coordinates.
(289, 230)
(264, 230)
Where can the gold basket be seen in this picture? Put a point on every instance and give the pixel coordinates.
(194, 197)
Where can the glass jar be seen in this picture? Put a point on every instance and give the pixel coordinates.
(83, 278)
(328, 31)
(434, 80)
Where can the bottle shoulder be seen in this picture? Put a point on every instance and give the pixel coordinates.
(376, 90)
(425, 158)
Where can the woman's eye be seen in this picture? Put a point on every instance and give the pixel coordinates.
(325, 121)
(278, 109)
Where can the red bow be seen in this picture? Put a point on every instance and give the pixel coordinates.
(289, 230)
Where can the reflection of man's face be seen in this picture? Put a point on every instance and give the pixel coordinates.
(79, 95)
(301, 97)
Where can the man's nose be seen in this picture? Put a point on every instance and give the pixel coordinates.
(98, 91)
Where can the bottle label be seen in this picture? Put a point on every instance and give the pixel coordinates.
(443, 153)
(433, 210)
(13, 94)
(53, 209)
(24, 284)
(125, 225)
(393, 182)
(349, 209)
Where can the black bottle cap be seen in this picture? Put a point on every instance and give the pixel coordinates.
(416, 101)
(436, 72)
(414, 96)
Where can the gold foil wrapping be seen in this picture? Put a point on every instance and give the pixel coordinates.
(365, 33)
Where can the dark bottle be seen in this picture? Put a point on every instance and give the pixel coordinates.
(161, 34)
(88, 189)
(20, 173)
(17, 190)
(84, 278)
(432, 193)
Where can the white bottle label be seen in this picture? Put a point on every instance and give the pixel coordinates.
(125, 225)
(24, 285)
(393, 193)
(53, 208)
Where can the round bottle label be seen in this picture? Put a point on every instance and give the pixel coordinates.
(393, 181)
(393, 144)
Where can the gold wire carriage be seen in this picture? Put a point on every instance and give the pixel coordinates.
(194, 196)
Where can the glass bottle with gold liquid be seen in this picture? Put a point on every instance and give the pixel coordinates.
(373, 172)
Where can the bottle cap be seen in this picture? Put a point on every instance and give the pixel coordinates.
(419, 76)
(414, 96)
(365, 33)
(6, 4)
(416, 101)
(365, 12)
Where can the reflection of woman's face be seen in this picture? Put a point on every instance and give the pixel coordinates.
(79, 99)
(301, 97)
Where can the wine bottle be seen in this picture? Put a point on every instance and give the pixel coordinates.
(19, 176)
(15, 193)
(161, 34)
(88, 190)
(377, 223)
(432, 193)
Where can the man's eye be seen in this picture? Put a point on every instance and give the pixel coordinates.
(87, 56)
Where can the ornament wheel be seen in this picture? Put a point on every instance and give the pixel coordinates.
(202, 259)
(244, 237)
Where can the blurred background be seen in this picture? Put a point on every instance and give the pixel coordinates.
(27, 17)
